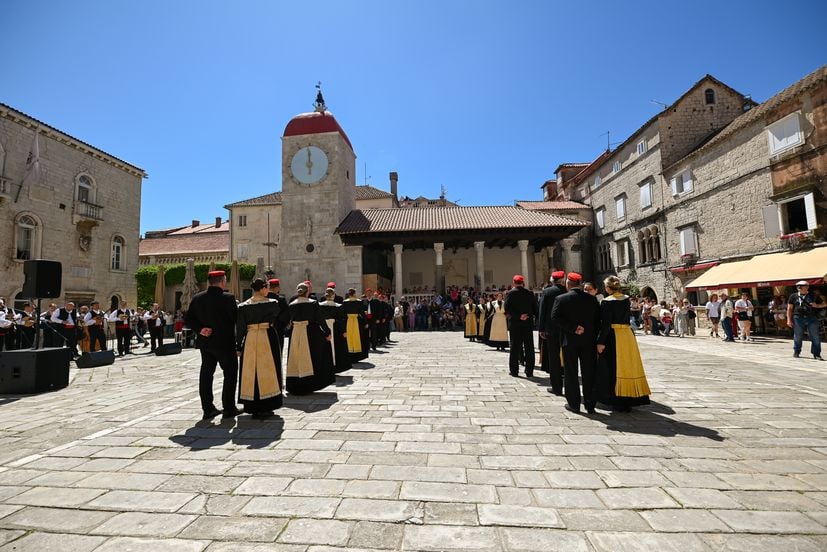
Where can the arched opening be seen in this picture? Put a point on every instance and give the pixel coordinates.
(709, 96)
(648, 293)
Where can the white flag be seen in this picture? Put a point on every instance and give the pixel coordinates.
(33, 161)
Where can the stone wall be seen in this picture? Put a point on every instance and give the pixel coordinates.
(83, 245)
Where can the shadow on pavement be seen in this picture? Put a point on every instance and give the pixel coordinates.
(646, 420)
(243, 431)
(314, 402)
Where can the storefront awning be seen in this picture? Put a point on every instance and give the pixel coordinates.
(775, 269)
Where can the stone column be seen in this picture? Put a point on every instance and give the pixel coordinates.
(523, 245)
(480, 247)
(397, 269)
(440, 275)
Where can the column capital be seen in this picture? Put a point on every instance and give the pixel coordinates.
(523, 245)
(397, 248)
(479, 245)
(439, 247)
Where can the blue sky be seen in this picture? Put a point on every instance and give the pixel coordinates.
(485, 97)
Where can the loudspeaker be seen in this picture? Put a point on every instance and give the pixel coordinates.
(42, 279)
(97, 358)
(168, 349)
(34, 371)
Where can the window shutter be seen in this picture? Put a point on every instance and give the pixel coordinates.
(772, 224)
(687, 182)
(688, 241)
(810, 208)
(674, 183)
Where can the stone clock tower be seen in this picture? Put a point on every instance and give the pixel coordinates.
(318, 183)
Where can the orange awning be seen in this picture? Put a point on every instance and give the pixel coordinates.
(775, 269)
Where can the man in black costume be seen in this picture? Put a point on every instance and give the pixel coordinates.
(550, 332)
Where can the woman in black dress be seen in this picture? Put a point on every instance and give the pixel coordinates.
(336, 321)
(358, 336)
(260, 389)
(309, 362)
(621, 381)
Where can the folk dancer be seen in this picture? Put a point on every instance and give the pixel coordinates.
(498, 324)
(309, 363)
(95, 320)
(260, 388)
(550, 332)
(471, 319)
(281, 324)
(26, 327)
(620, 380)
(50, 334)
(577, 314)
(123, 335)
(212, 316)
(521, 309)
(154, 319)
(358, 333)
(373, 313)
(482, 313)
(336, 297)
(82, 330)
(67, 321)
(336, 321)
(7, 327)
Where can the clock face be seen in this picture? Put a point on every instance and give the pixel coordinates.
(309, 165)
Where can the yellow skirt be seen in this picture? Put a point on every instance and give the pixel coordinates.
(258, 366)
(631, 379)
(354, 334)
(299, 362)
(470, 324)
(481, 329)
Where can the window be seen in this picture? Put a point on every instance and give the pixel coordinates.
(689, 245)
(641, 147)
(242, 250)
(597, 182)
(600, 217)
(118, 246)
(620, 205)
(681, 183)
(242, 221)
(581, 192)
(622, 252)
(26, 234)
(646, 195)
(785, 134)
(709, 96)
(797, 214)
(649, 244)
(616, 167)
(604, 258)
(85, 186)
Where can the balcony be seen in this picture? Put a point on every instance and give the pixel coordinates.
(88, 212)
(5, 188)
(689, 258)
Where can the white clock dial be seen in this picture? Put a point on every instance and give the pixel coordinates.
(309, 165)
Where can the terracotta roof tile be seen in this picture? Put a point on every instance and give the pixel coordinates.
(450, 218)
(201, 229)
(552, 205)
(369, 192)
(192, 243)
(273, 198)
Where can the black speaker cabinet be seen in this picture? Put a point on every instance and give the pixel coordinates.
(34, 371)
(97, 358)
(168, 349)
(42, 278)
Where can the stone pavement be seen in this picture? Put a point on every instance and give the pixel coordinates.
(430, 446)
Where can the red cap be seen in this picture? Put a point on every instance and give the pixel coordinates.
(557, 274)
(215, 274)
(274, 282)
(307, 283)
(331, 284)
(518, 279)
(575, 277)
(368, 290)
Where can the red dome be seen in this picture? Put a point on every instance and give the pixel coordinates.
(315, 123)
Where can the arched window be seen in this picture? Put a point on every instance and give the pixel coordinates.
(118, 252)
(709, 96)
(26, 238)
(86, 187)
(641, 242)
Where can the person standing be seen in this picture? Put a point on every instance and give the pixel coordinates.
(743, 310)
(120, 317)
(498, 337)
(94, 321)
(260, 389)
(7, 323)
(26, 327)
(336, 320)
(309, 362)
(801, 315)
(471, 319)
(681, 312)
(521, 310)
(67, 321)
(577, 314)
(373, 313)
(50, 338)
(212, 316)
(336, 297)
(620, 379)
(550, 332)
(154, 319)
(358, 340)
(274, 292)
(713, 312)
(726, 317)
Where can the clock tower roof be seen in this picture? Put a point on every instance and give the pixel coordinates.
(317, 122)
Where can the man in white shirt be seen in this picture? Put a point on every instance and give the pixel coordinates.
(155, 324)
(120, 317)
(726, 317)
(94, 321)
(66, 320)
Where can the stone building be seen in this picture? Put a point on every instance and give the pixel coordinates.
(320, 225)
(73, 203)
(628, 193)
(204, 243)
(755, 194)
